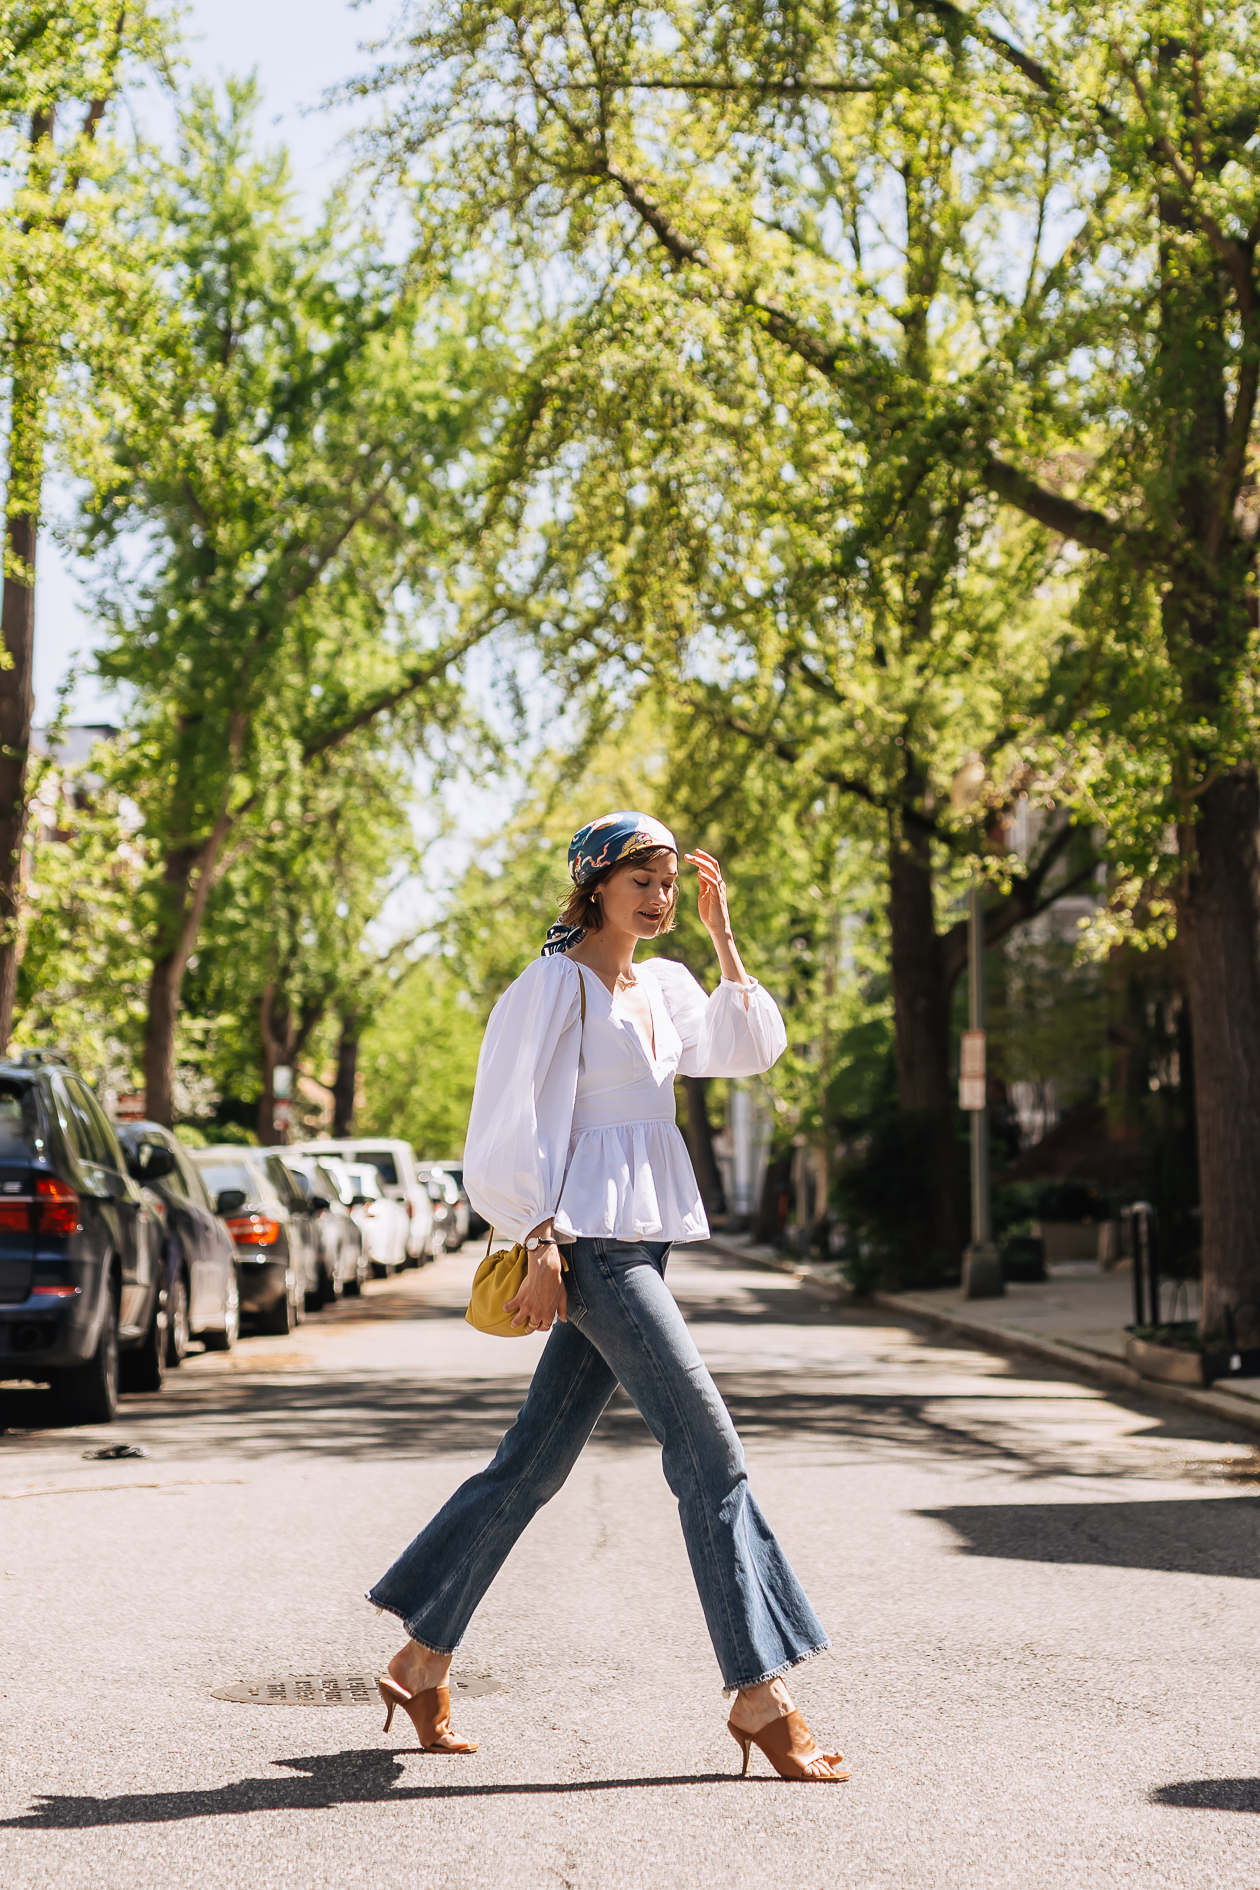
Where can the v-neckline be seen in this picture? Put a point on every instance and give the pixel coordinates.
(620, 1017)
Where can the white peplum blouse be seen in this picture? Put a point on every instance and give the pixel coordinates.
(577, 1120)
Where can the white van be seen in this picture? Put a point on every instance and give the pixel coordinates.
(395, 1163)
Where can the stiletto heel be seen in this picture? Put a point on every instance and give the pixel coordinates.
(429, 1712)
(790, 1747)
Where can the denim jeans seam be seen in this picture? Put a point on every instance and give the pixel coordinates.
(663, 1384)
(471, 1552)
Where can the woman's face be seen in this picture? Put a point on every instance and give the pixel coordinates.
(639, 898)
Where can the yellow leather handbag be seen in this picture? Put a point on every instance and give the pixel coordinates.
(501, 1275)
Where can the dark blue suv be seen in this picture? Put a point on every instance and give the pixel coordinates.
(81, 1279)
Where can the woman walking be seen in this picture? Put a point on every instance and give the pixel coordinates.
(573, 1149)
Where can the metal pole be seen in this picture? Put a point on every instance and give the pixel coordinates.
(981, 1219)
(982, 1265)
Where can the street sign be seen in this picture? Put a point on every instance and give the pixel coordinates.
(131, 1106)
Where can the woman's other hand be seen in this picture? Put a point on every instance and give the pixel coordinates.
(711, 900)
(542, 1299)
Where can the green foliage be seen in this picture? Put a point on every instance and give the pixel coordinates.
(418, 1059)
(81, 979)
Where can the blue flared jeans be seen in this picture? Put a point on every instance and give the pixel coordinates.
(624, 1327)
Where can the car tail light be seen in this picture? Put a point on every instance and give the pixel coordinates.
(15, 1215)
(411, 1207)
(54, 1292)
(253, 1230)
(58, 1208)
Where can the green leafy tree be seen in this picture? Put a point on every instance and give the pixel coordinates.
(71, 280)
(754, 425)
(293, 458)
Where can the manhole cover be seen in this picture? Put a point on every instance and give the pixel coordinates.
(335, 1689)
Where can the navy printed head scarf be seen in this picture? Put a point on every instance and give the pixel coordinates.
(603, 843)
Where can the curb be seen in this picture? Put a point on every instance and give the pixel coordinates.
(1070, 1358)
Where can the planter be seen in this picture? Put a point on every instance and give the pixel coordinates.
(1173, 1365)
(1024, 1258)
(1167, 1363)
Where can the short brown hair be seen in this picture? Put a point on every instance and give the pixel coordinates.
(582, 908)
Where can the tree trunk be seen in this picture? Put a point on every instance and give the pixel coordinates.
(276, 1030)
(17, 629)
(159, 1039)
(347, 1075)
(1218, 931)
(700, 1143)
(921, 1004)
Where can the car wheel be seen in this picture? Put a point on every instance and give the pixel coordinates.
(319, 1295)
(354, 1285)
(177, 1330)
(223, 1341)
(144, 1368)
(278, 1317)
(88, 1394)
(297, 1301)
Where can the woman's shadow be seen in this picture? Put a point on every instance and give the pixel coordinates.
(331, 1778)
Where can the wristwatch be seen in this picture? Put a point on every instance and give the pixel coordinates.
(536, 1241)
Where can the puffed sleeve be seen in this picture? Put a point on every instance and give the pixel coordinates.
(736, 1032)
(522, 1107)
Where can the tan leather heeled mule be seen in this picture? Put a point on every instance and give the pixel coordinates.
(429, 1712)
(791, 1749)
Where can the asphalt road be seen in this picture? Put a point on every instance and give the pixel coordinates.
(1041, 1598)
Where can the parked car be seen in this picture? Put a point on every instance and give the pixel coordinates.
(202, 1294)
(476, 1225)
(343, 1265)
(452, 1207)
(82, 1286)
(382, 1218)
(395, 1163)
(272, 1231)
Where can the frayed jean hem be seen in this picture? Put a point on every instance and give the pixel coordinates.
(777, 1673)
(383, 1607)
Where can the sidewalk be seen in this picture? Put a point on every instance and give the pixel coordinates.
(1074, 1320)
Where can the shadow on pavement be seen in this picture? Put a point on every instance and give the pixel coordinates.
(391, 1416)
(1211, 1794)
(364, 1776)
(1193, 1536)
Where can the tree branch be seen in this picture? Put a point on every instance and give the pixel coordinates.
(1027, 898)
(1062, 515)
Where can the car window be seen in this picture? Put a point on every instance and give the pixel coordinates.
(19, 1122)
(78, 1122)
(283, 1182)
(74, 1131)
(326, 1184)
(366, 1180)
(103, 1132)
(194, 1186)
(383, 1162)
(219, 1176)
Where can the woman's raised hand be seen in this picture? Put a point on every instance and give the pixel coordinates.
(712, 897)
(716, 919)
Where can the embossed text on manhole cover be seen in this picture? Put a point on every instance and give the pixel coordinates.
(335, 1689)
